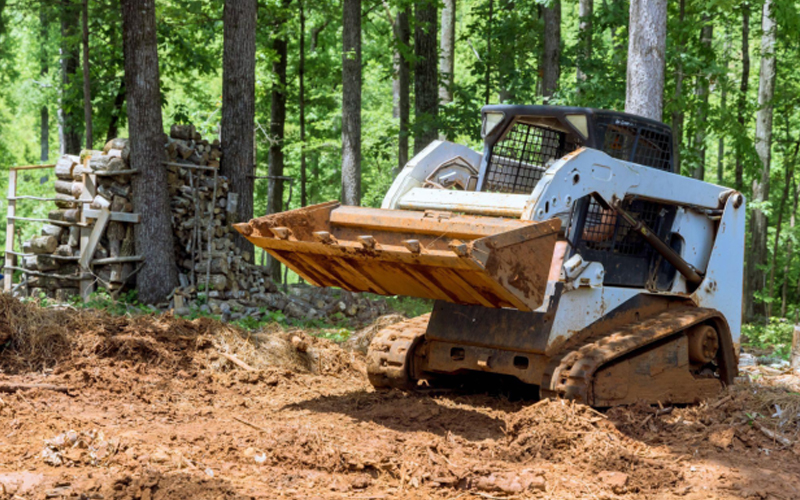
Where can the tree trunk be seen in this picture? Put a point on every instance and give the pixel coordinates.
(69, 123)
(766, 90)
(87, 81)
(778, 226)
(647, 40)
(551, 59)
(44, 69)
(447, 52)
(426, 75)
(723, 107)
(677, 113)
(585, 14)
(116, 113)
(743, 89)
(154, 240)
(487, 77)
(400, 86)
(238, 107)
(277, 133)
(351, 102)
(701, 92)
(789, 249)
(302, 106)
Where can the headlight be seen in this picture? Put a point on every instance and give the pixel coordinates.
(490, 122)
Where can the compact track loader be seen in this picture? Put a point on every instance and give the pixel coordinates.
(569, 255)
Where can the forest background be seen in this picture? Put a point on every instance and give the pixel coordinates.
(722, 57)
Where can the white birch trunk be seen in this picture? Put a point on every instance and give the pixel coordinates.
(766, 90)
(647, 40)
(446, 51)
(585, 13)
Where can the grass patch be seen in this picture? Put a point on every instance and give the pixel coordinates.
(775, 336)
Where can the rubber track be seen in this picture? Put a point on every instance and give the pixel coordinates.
(570, 376)
(391, 353)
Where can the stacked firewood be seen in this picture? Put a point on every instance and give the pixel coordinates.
(202, 213)
(52, 256)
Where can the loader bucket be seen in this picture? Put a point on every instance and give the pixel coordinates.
(475, 260)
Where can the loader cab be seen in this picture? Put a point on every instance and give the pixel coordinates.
(520, 143)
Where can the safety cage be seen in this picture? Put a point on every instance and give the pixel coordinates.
(522, 141)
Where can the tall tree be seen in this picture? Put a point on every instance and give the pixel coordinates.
(154, 241)
(238, 106)
(701, 92)
(87, 81)
(788, 174)
(401, 84)
(759, 221)
(551, 58)
(44, 68)
(426, 75)
(789, 244)
(351, 102)
(277, 127)
(301, 77)
(743, 89)
(677, 112)
(647, 40)
(447, 51)
(585, 14)
(723, 105)
(69, 123)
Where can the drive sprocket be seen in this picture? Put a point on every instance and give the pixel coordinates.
(390, 357)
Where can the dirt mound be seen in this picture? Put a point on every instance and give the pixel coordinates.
(42, 338)
(160, 407)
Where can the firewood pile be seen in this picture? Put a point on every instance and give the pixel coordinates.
(94, 214)
(202, 213)
(53, 259)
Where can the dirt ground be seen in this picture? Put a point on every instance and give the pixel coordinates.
(155, 410)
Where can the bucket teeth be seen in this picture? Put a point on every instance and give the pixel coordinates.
(282, 233)
(368, 242)
(459, 248)
(325, 237)
(413, 246)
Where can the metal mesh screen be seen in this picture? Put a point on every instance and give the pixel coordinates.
(604, 230)
(653, 149)
(520, 158)
(619, 141)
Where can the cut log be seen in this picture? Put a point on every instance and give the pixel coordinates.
(64, 186)
(64, 251)
(796, 350)
(64, 167)
(46, 263)
(99, 163)
(117, 143)
(100, 202)
(65, 201)
(44, 244)
(218, 282)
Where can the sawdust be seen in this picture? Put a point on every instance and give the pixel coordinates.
(182, 421)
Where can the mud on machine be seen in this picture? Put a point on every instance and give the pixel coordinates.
(569, 255)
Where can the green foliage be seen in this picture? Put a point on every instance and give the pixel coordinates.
(775, 335)
(411, 307)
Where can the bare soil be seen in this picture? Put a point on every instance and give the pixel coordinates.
(155, 412)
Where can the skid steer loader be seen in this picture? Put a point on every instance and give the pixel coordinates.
(569, 255)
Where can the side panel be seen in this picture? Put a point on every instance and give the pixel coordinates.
(722, 288)
(566, 315)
